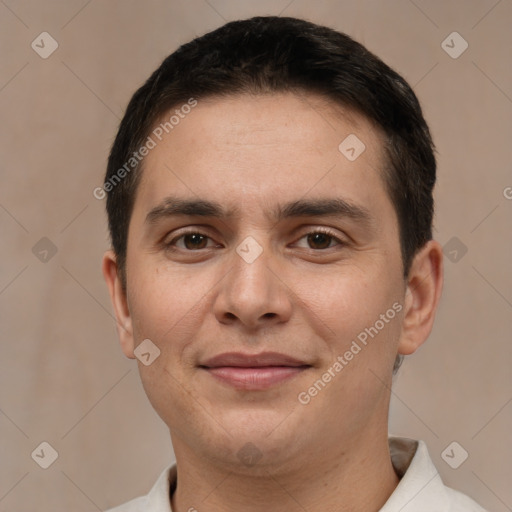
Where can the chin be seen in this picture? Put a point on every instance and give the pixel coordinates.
(260, 438)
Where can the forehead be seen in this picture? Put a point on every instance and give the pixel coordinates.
(257, 149)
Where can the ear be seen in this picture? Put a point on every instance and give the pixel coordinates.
(424, 286)
(119, 302)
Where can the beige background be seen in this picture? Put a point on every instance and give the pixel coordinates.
(64, 379)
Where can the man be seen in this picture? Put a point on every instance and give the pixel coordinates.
(270, 208)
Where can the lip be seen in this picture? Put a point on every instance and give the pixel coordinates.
(253, 371)
(263, 359)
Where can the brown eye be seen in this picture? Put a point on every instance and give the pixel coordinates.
(319, 240)
(193, 241)
(190, 241)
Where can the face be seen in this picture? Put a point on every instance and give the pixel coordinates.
(264, 264)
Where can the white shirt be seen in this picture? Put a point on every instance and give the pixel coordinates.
(420, 488)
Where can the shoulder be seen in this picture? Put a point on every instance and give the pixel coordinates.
(157, 500)
(421, 488)
(461, 502)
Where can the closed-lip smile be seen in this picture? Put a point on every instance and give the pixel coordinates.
(253, 371)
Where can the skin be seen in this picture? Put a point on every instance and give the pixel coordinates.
(299, 297)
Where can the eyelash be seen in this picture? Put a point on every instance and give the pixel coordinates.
(171, 245)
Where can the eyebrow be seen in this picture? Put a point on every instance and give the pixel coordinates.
(328, 207)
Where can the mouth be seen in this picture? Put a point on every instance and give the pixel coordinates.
(253, 372)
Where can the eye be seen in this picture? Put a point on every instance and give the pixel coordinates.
(320, 239)
(190, 241)
(194, 241)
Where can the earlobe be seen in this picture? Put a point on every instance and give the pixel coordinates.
(119, 303)
(424, 287)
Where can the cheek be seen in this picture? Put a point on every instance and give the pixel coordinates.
(164, 305)
(345, 299)
(166, 309)
(355, 312)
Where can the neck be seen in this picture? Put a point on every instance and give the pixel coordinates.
(358, 478)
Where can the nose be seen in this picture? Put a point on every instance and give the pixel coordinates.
(253, 295)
